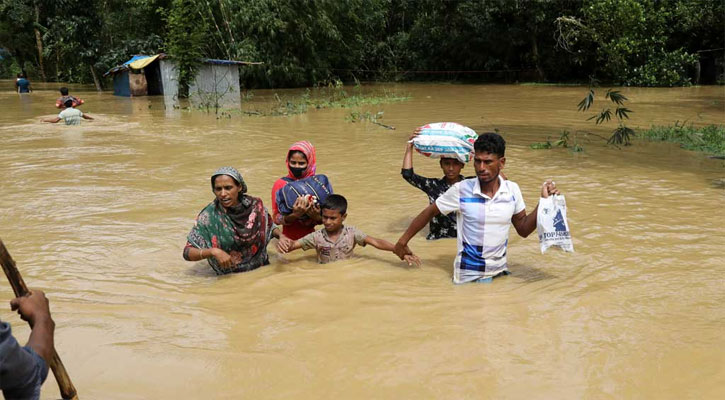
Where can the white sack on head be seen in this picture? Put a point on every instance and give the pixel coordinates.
(446, 140)
(551, 224)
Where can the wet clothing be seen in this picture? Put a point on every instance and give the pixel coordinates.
(22, 370)
(23, 85)
(300, 227)
(441, 226)
(483, 226)
(243, 231)
(340, 249)
(71, 116)
(60, 103)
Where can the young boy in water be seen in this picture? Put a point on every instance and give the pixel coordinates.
(64, 97)
(335, 241)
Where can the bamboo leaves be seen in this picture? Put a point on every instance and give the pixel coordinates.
(616, 96)
(601, 117)
(622, 134)
(622, 112)
(586, 101)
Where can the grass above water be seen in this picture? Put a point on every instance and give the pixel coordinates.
(708, 139)
(332, 96)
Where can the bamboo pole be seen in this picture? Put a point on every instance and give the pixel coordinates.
(67, 390)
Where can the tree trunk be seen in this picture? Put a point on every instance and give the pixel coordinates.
(96, 80)
(39, 43)
(535, 54)
(698, 70)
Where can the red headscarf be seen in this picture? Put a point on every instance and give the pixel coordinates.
(309, 151)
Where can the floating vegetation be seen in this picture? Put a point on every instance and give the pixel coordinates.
(331, 95)
(356, 116)
(564, 141)
(708, 139)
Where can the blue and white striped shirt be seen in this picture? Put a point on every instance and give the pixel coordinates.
(483, 226)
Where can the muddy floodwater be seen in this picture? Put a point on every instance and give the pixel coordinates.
(97, 216)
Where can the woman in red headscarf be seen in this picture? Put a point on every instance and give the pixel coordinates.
(301, 163)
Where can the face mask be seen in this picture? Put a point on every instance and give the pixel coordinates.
(297, 172)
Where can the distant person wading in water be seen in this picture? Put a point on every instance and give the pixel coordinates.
(64, 97)
(22, 84)
(301, 163)
(69, 115)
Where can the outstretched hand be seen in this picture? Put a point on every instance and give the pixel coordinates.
(412, 260)
(548, 188)
(401, 250)
(284, 244)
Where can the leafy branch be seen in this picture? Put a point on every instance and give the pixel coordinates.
(622, 135)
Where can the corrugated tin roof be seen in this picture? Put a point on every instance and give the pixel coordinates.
(230, 62)
(126, 66)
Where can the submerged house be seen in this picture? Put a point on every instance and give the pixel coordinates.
(216, 82)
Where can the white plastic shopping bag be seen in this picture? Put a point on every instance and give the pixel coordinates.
(446, 139)
(551, 224)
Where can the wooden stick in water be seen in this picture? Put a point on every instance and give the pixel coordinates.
(67, 390)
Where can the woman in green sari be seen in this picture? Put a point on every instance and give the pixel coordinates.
(233, 231)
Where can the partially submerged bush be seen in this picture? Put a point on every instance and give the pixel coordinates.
(709, 138)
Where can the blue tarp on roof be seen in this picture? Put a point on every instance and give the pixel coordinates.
(134, 58)
(124, 66)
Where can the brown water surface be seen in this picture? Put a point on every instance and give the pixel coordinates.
(97, 216)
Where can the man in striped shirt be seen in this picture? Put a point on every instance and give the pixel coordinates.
(485, 207)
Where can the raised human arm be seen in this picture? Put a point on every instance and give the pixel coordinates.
(407, 171)
(408, 155)
(51, 120)
(86, 116)
(418, 223)
(34, 309)
(526, 223)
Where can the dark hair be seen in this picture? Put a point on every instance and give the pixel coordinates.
(490, 142)
(68, 103)
(335, 202)
(64, 91)
(291, 152)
